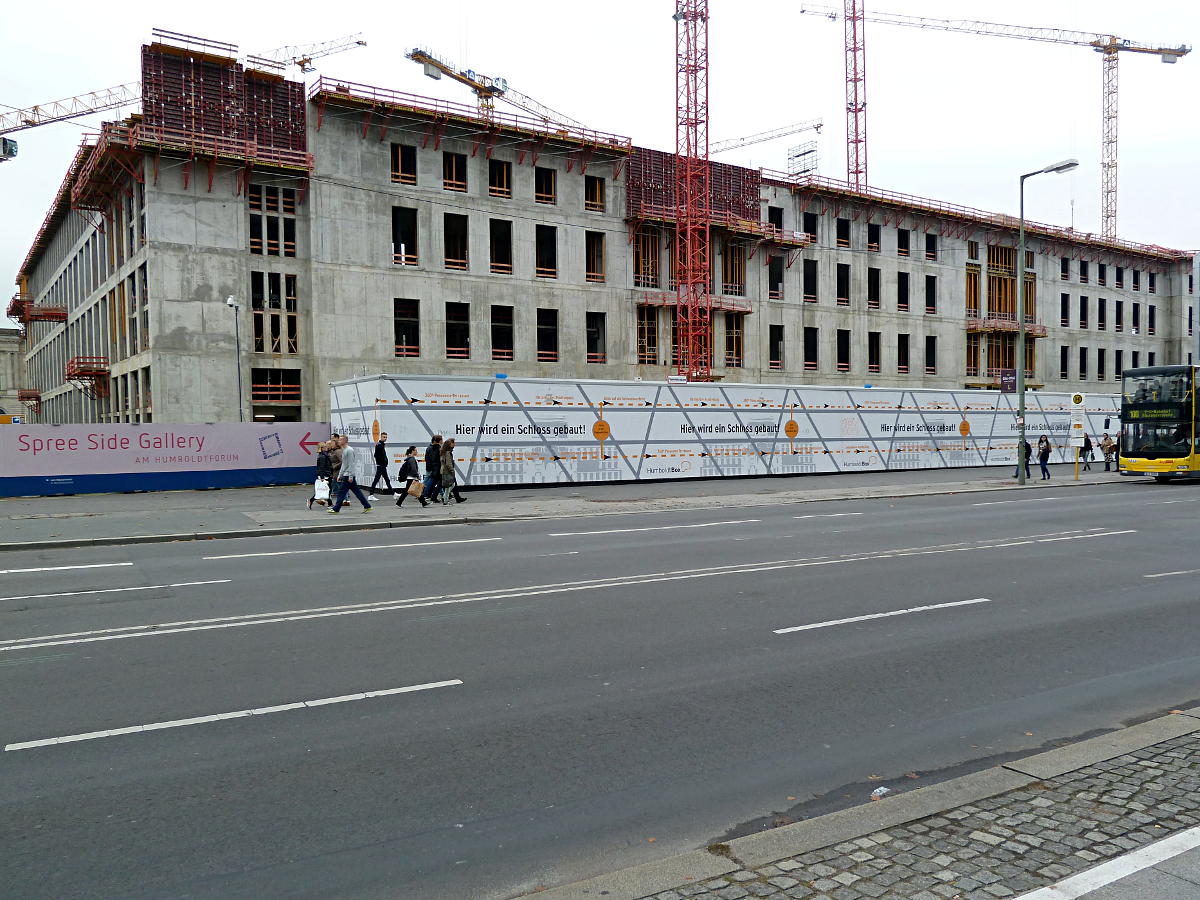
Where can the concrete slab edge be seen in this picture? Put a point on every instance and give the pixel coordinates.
(648, 878)
(1054, 763)
(770, 846)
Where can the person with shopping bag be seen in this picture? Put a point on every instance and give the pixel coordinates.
(448, 483)
(410, 475)
(324, 474)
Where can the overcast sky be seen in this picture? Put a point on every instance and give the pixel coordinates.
(955, 117)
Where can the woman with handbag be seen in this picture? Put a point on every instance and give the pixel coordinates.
(324, 474)
(449, 485)
(411, 475)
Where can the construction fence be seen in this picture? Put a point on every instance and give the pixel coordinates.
(533, 431)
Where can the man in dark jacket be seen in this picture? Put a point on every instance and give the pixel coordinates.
(1027, 454)
(433, 469)
(381, 463)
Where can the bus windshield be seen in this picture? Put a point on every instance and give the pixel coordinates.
(1157, 387)
(1159, 440)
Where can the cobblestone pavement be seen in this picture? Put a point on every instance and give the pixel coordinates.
(994, 848)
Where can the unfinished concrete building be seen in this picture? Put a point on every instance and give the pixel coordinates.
(359, 229)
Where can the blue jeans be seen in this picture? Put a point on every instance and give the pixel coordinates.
(1017, 471)
(433, 481)
(1045, 468)
(344, 486)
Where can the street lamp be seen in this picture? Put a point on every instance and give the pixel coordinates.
(1057, 168)
(237, 342)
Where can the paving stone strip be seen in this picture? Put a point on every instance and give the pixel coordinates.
(997, 847)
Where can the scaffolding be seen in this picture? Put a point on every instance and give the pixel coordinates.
(89, 374)
(31, 399)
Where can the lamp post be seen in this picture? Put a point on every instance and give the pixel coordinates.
(237, 342)
(1065, 166)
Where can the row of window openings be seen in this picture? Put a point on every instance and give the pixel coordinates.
(272, 220)
(648, 345)
(874, 236)
(874, 289)
(454, 177)
(456, 242)
(1102, 315)
(1102, 275)
(1064, 362)
(407, 319)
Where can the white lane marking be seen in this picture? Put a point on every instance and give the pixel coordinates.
(147, 587)
(1192, 500)
(1030, 500)
(882, 615)
(1169, 574)
(828, 515)
(564, 553)
(345, 549)
(1079, 537)
(63, 568)
(653, 528)
(296, 615)
(1121, 867)
(200, 720)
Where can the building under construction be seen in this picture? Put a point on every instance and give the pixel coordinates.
(358, 229)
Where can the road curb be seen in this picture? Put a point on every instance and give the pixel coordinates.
(328, 528)
(758, 850)
(369, 525)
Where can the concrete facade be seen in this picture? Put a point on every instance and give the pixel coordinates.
(11, 372)
(149, 290)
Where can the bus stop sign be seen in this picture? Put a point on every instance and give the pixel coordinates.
(1078, 420)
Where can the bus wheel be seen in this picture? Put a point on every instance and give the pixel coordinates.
(1162, 479)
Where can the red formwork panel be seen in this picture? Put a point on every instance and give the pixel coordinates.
(185, 90)
(651, 186)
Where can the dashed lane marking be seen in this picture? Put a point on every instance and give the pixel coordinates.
(882, 615)
(238, 714)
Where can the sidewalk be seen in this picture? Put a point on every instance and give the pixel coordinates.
(29, 523)
(1026, 826)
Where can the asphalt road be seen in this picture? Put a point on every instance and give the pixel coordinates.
(588, 693)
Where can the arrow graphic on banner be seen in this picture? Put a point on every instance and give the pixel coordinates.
(305, 443)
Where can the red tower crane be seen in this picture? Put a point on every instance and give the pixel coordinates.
(1107, 45)
(692, 199)
(856, 94)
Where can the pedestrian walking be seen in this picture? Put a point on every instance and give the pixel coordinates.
(1086, 453)
(433, 469)
(449, 483)
(1107, 447)
(321, 487)
(346, 480)
(381, 462)
(409, 474)
(1043, 455)
(335, 459)
(1026, 453)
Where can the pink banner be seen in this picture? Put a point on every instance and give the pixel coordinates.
(48, 450)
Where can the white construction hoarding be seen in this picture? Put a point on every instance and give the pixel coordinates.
(530, 431)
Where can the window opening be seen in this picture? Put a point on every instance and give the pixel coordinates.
(546, 252)
(404, 164)
(775, 347)
(545, 185)
(547, 335)
(454, 171)
(843, 350)
(811, 272)
(902, 354)
(647, 335)
(594, 256)
(406, 322)
(595, 335)
(499, 178)
(501, 247)
(404, 236)
(873, 352)
(593, 193)
(457, 241)
(458, 330)
(503, 333)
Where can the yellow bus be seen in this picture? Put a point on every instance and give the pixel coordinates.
(1158, 422)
